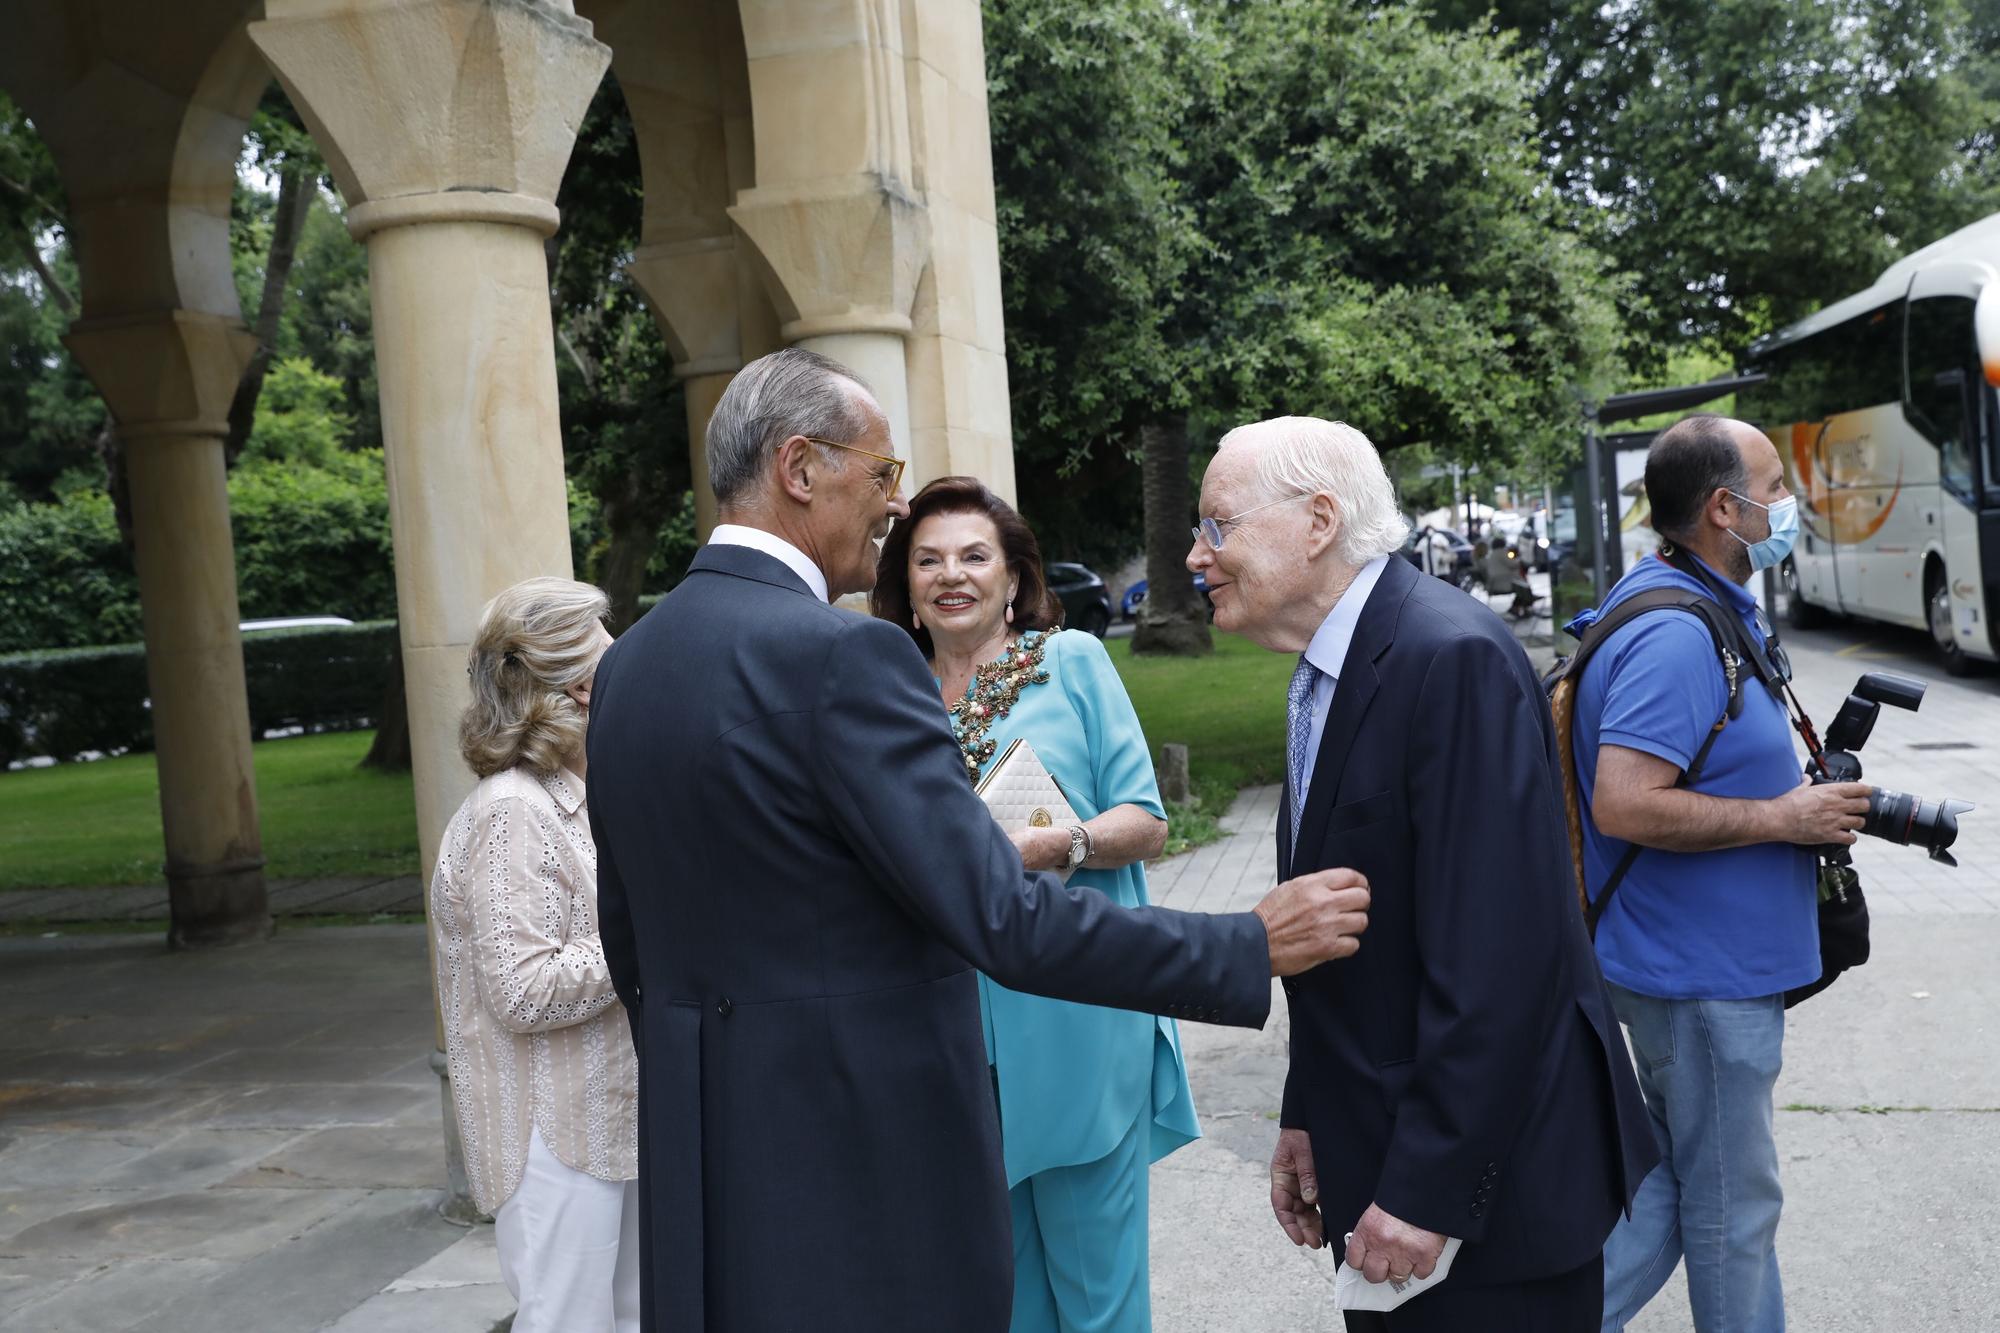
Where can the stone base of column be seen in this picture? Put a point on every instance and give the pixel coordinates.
(458, 1207)
(219, 904)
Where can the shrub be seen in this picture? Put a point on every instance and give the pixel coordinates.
(69, 701)
(64, 576)
(313, 541)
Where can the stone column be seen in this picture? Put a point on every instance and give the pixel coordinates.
(692, 288)
(842, 268)
(168, 379)
(447, 124)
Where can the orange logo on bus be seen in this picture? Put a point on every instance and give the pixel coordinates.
(1840, 497)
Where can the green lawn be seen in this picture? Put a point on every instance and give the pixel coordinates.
(99, 823)
(1228, 709)
(88, 824)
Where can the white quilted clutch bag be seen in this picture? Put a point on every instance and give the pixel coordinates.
(1021, 794)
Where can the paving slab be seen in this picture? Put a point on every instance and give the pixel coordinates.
(371, 1157)
(458, 1291)
(109, 1298)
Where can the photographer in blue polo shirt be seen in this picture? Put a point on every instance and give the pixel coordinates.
(1716, 918)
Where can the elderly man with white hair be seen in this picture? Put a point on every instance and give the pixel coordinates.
(1462, 1076)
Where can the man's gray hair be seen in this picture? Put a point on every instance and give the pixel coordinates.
(790, 392)
(1308, 456)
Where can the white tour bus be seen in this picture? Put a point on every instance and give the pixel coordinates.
(1883, 409)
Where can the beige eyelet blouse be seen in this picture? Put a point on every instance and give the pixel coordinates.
(534, 1034)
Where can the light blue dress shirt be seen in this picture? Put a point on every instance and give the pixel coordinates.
(1073, 1078)
(1328, 650)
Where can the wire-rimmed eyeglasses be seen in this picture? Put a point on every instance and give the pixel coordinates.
(1214, 530)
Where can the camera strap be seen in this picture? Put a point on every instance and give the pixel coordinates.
(1739, 651)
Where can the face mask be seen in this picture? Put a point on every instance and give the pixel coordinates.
(1784, 517)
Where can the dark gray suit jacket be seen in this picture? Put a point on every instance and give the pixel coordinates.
(795, 882)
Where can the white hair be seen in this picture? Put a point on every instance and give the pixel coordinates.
(1308, 456)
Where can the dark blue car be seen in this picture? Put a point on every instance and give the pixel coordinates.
(1128, 605)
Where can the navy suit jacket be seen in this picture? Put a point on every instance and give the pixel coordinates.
(795, 883)
(1464, 1070)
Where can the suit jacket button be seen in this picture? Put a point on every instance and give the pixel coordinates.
(1479, 1210)
(725, 1007)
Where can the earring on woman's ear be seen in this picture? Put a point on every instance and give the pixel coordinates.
(1010, 610)
(916, 621)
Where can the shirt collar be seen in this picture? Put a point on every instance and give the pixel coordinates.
(1738, 595)
(1328, 649)
(564, 788)
(736, 534)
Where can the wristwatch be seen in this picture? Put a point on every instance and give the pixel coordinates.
(1079, 846)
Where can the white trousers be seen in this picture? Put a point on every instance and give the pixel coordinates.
(569, 1248)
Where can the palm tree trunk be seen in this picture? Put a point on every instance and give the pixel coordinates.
(1172, 620)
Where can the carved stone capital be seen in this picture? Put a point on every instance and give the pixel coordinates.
(845, 260)
(479, 96)
(168, 373)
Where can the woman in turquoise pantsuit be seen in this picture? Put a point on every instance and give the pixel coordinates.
(1089, 1097)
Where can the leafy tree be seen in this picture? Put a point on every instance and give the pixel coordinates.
(1097, 234)
(51, 419)
(624, 414)
(1238, 209)
(300, 420)
(1750, 162)
(278, 143)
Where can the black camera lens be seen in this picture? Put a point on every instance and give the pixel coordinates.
(1903, 819)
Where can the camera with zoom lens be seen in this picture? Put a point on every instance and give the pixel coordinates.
(1894, 816)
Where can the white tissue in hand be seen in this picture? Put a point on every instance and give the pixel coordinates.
(1351, 1291)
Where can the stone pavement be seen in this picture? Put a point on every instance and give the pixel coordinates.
(337, 896)
(249, 1139)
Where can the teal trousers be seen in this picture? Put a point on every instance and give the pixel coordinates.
(1080, 1243)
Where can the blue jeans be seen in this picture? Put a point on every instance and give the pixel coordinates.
(1707, 1068)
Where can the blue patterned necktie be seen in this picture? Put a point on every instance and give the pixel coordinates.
(1298, 729)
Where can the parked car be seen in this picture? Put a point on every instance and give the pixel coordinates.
(1128, 605)
(292, 622)
(1086, 601)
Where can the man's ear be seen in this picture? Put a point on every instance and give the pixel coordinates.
(795, 460)
(1716, 511)
(1325, 526)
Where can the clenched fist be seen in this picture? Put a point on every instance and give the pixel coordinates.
(1314, 918)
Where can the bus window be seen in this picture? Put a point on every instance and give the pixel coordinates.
(1848, 367)
(1943, 366)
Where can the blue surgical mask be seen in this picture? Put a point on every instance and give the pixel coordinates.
(1784, 516)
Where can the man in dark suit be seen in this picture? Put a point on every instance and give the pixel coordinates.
(795, 880)
(1463, 1076)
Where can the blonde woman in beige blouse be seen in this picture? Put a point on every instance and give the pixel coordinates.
(542, 1066)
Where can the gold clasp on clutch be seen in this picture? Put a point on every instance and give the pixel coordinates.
(1039, 819)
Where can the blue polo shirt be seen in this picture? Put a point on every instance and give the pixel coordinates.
(1724, 925)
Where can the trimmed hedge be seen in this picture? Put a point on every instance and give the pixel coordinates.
(67, 701)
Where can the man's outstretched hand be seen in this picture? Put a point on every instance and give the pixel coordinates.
(1295, 1189)
(1314, 918)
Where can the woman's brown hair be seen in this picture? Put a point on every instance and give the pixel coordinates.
(1035, 607)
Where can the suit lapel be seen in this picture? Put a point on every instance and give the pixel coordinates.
(1373, 634)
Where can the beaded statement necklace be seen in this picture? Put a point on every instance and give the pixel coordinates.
(995, 688)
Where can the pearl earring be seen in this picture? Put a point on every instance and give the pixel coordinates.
(916, 621)
(1010, 610)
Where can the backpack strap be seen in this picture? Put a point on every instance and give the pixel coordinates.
(1731, 650)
